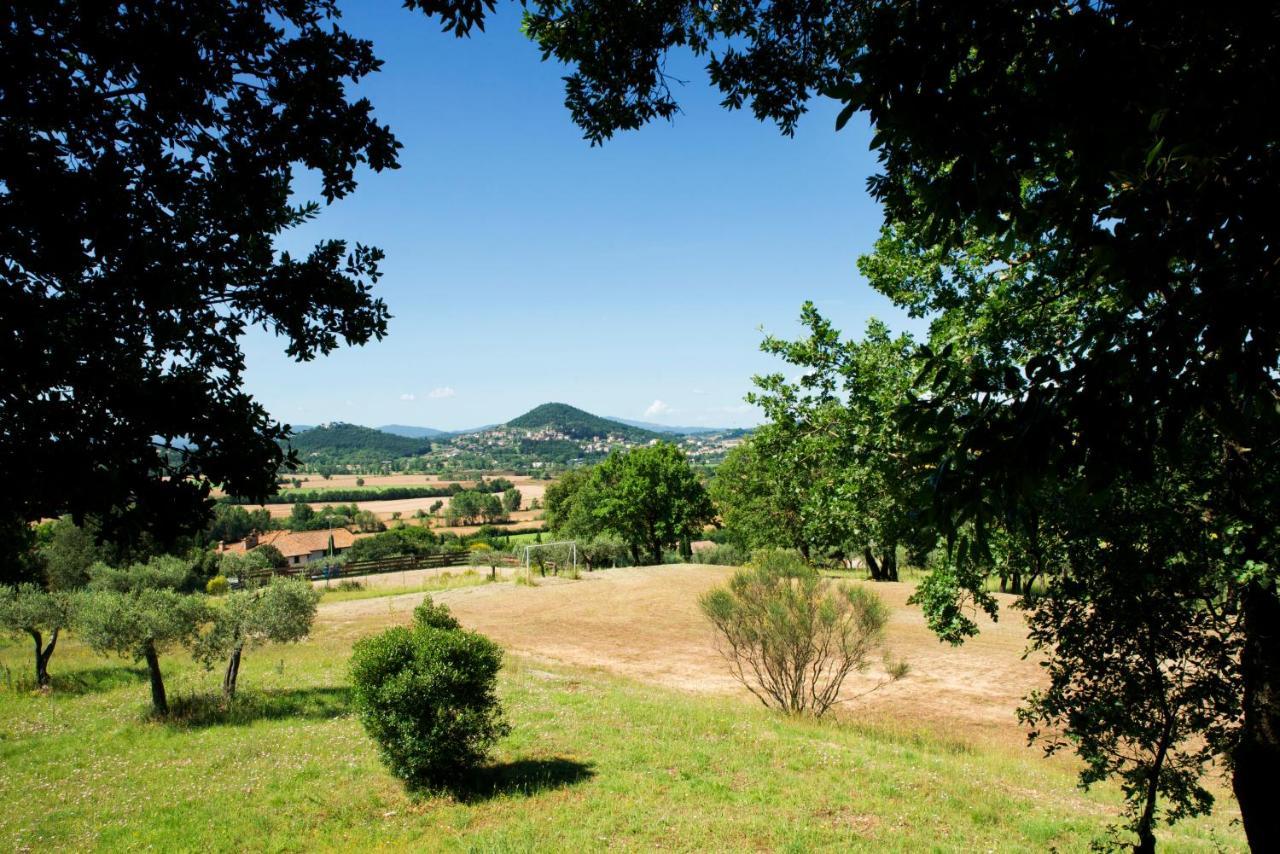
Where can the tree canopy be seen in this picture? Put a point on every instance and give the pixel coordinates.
(147, 155)
(280, 612)
(651, 498)
(838, 430)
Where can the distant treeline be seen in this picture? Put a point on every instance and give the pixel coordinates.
(386, 493)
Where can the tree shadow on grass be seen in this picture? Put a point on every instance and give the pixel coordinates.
(76, 683)
(194, 711)
(523, 777)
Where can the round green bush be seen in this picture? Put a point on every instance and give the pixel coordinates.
(435, 616)
(217, 586)
(426, 696)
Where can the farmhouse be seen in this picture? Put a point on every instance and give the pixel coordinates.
(298, 547)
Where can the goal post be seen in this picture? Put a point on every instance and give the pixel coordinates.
(571, 545)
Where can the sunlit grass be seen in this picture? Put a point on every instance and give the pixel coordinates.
(592, 762)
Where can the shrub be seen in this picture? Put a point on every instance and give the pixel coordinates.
(792, 637)
(430, 615)
(723, 554)
(217, 586)
(426, 697)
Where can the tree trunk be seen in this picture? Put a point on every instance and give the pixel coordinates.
(43, 654)
(655, 551)
(1146, 822)
(158, 701)
(872, 566)
(889, 564)
(1257, 754)
(233, 672)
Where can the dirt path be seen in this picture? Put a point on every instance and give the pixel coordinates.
(644, 623)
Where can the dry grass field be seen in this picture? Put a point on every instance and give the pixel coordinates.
(644, 623)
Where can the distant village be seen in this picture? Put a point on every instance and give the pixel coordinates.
(549, 446)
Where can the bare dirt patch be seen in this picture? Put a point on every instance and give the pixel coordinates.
(644, 623)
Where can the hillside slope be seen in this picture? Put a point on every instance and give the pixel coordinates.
(578, 424)
(353, 443)
(411, 432)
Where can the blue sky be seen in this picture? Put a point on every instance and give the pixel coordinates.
(524, 266)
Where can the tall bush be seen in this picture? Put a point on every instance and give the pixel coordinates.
(427, 697)
(789, 635)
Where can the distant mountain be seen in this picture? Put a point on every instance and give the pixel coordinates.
(577, 424)
(471, 430)
(345, 443)
(412, 432)
(666, 428)
(301, 428)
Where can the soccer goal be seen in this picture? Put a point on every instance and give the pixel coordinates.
(563, 550)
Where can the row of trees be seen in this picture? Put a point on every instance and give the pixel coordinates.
(472, 508)
(145, 609)
(232, 522)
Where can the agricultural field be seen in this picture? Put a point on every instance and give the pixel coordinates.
(406, 507)
(627, 733)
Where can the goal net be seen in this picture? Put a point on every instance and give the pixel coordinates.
(558, 554)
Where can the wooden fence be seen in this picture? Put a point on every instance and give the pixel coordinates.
(319, 571)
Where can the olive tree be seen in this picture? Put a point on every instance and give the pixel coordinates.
(28, 609)
(281, 612)
(140, 611)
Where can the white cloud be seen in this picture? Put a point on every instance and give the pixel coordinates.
(408, 396)
(442, 391)
(699, 391)
(657, 408)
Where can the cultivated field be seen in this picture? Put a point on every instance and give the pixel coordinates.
(627, 734)
(406, 507)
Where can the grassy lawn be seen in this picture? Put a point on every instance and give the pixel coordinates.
(593, 762)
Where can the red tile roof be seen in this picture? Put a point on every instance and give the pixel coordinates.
(299, 543)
